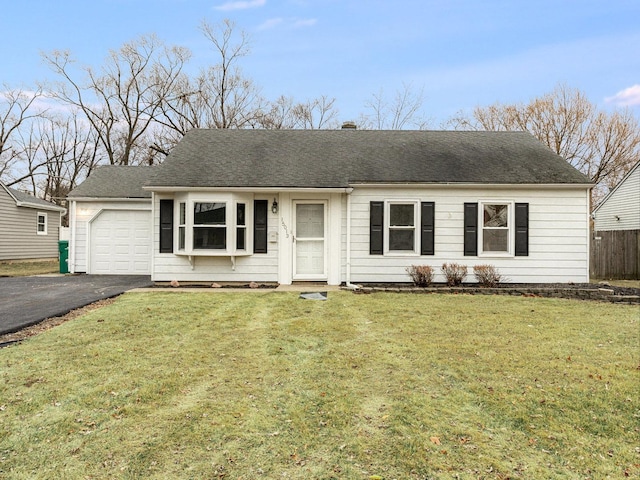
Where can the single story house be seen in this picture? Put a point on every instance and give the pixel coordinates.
(29, 226)
(620, 209)
(337, 206)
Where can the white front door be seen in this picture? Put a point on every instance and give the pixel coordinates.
(309, 244)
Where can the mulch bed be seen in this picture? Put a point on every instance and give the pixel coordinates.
(580, 291)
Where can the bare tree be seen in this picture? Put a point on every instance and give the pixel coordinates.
(31, 162)
(404, 110)
(16, 111)
(229, 95)
(121, 100)
(285, 113)
(316, 114)
(220, 96)
(601, 145)
(71, 150)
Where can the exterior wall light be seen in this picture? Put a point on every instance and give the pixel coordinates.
(274, 206)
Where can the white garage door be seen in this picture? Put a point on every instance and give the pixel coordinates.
(121, 243)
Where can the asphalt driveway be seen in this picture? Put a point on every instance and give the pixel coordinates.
(25, 301)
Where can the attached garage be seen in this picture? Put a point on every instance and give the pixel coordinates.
(120, 243)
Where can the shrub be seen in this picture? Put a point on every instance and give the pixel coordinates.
(454, 273)
(487, 275)
(422, 275)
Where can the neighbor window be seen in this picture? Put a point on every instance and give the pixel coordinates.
(401, 227)
(210, 226)
(41, 227)
(495, 227)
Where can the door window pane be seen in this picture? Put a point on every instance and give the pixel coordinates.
(310, 221)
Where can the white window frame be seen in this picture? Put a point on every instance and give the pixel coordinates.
(45, 226)
(231, 202)
(415, 228)
(510, 229)
(195, 226)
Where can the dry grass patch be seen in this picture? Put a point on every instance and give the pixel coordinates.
(24, 269)
(195, 385)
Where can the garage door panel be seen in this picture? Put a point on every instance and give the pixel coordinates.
(120, 243)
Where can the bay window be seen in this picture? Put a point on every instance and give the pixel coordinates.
(213, 225)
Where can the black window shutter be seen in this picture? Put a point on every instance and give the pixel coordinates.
(471, 229)
(522, 229)
(376, 228)
(260, 209)
(166, 226)
(427, 228)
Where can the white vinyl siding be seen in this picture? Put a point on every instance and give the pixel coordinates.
(19, 237)
(203, 268)
(558, 234)
(621, 209)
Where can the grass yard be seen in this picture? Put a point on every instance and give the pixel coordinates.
(381, 386)
(23, 269)
(620, 283)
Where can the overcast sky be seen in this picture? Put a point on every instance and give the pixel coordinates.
(462, 53)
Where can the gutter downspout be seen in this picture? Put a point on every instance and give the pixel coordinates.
(349, 285)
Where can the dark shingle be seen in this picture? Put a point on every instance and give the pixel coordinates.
(115, 181)
(339, 158)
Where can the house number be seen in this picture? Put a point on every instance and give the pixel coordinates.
(286, 229)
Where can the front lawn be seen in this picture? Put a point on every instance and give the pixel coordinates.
(380, 386)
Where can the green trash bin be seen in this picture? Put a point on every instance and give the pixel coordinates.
(63, 255)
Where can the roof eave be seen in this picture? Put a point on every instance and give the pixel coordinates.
(38, 206)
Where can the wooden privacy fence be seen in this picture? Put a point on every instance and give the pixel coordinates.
(615, 254)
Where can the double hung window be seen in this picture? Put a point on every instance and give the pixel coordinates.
(41, 223)
(209, 226)
(495, 228)
(402, 227)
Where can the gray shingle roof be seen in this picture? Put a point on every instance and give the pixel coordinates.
(115, 181)
(26, 199)
(339, 158)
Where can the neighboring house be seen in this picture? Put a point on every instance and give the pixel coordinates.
(615, 249)
(341, 206)
(620, 209)
(29, 226)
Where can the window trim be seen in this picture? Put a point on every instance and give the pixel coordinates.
(45, 224)
(416, 227)
(510, 252)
